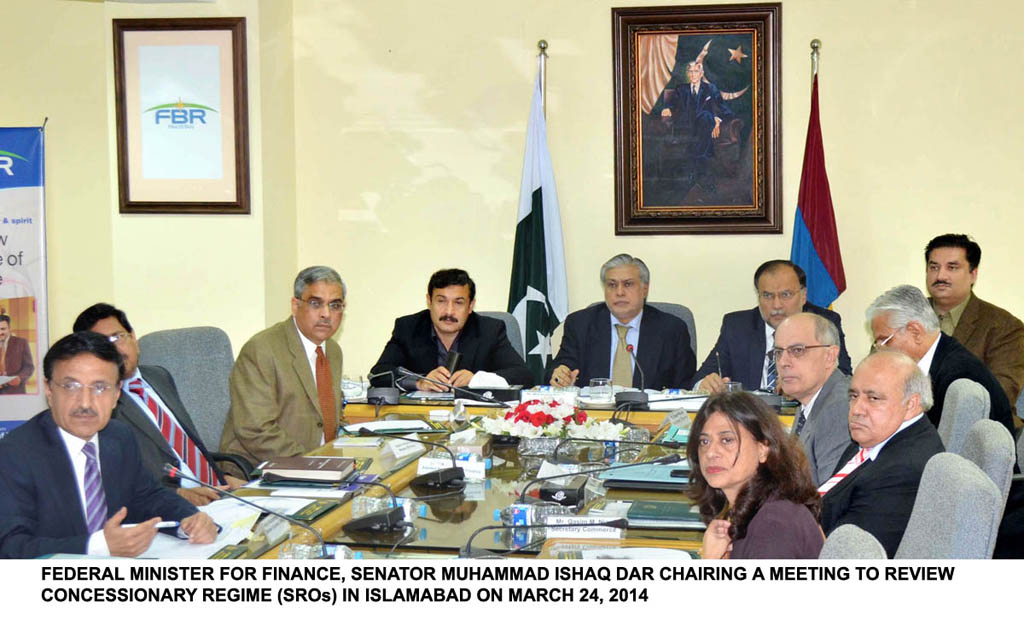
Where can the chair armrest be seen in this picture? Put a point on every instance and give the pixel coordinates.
(240, 462)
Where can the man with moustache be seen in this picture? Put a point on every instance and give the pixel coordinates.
(286, 383)
(71, 479)
(875, 485)
(902, 319)
(743, 352)
(422, 342)
(992, 334)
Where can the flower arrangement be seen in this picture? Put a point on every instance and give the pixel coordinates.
(550, 418)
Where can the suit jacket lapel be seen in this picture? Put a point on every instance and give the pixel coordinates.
(65, 486)
(756, 355)
(131, 413)
(300, 364)
(110, 460)
(968, 321)
(648, 347)
(469, 343)
(172, 400)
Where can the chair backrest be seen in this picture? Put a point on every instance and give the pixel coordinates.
(678, 310)
(511, 327)
(200, 360)
(849, 542)
(956, 514)
(684, 313)
(1020, 404)
(966, 403)
(990, 446)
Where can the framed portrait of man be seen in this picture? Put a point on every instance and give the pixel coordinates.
(697, 119)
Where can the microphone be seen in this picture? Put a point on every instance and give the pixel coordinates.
(467, 551)
(456, 390)
(443, 478)
(377, 522)
(452, 361)
(173, 472)
(664, 460)
(630, 398)
(382, 395)
(674, 445)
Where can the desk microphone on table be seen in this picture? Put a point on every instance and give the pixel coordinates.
(663, 460)
(450, 477)
(455, 390)
(382, 521)
(467, 551)
(173, 472)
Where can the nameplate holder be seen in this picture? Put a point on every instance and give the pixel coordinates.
(584, 529)
(475, 470)
(402, 449)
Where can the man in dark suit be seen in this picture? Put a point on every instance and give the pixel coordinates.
(422, 342)
(697, 112)
(15, 359)
(149, 403)
(70, 477)
(902, 319)
(875, 484)
(806, 354)
(747, 336)
(624, 339)
(992, 334)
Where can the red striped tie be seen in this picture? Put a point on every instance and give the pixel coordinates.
(176, 437)
(851, 465)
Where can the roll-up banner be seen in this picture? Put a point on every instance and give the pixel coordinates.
(23, 317)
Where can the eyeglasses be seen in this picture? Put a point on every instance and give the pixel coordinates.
(796, 350)
(316, 304)
(880, 343)
(119, 336)
(783, 295)
(75, 388)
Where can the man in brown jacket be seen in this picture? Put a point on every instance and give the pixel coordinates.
(992, 334)
(15, 359)
(286, 382)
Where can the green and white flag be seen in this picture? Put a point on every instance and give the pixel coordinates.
(538, 296)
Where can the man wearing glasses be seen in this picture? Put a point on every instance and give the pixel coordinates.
(71, 479)
(286, 382)
(150, 404)
(743, 352)
(806, 356)
(902, 319)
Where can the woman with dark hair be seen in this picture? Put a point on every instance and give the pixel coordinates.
(752, 482)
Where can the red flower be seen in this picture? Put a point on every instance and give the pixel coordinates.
(581, 416)
(539, 418)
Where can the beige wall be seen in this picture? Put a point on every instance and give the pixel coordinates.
(405, 122)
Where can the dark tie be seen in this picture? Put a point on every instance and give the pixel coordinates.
(800, 421)
(772, 375)
(175, 436)
(95, 500)
(325, 391)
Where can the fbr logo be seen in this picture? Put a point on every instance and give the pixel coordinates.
(7, 161)
(180, 114)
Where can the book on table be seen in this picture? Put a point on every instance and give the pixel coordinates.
(309, 468)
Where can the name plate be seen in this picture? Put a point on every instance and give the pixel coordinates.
(584, 529)
(475, 470)
(402, 449)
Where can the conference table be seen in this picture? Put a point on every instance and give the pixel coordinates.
(442, 526)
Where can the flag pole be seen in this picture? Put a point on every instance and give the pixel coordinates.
(543, 58)
(815, 52)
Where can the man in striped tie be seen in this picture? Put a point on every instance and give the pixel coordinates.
(71, 479)
(876, 482)
(149, 403)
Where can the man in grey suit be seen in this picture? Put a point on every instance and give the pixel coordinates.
(149, 403)
(806, 354)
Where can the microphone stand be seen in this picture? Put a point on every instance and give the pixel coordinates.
(467, 551)
(173, 472)
(664, 460)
